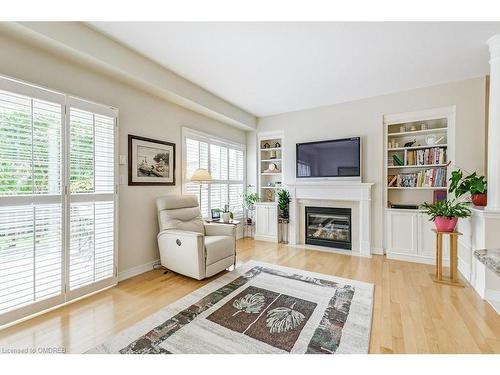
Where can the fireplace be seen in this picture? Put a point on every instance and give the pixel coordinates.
(328, 226)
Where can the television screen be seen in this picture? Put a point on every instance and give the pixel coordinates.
(335, 158)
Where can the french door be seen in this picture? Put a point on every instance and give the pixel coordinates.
(57, 199)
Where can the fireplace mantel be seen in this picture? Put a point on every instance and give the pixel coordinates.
(331, 191)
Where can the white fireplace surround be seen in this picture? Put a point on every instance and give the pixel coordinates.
(348, 191)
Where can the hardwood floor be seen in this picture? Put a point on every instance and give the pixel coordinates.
(411, 313)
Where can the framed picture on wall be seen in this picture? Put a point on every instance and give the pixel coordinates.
(150, 162)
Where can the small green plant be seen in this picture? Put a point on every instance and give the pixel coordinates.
(250, 198)
(283, 202)
(446, 208)
(471, 183)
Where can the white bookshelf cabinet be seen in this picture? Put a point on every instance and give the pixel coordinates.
(408, 232)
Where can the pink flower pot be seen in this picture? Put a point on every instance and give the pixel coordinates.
(479, 199)
(445, 224)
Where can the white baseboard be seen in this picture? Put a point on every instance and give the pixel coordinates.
(416, 258)
(495, 305)
(266, 238)
(137, 270)
(377, 251)
(493, 295)
(329, 250)
(464, 269)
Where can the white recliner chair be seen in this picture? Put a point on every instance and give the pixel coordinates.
(190, 246)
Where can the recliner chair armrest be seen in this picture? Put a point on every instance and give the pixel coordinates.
(183, 252)
(183, 233)
(214, 229)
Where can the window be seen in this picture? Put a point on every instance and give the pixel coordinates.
(57, 198)
(225, 162)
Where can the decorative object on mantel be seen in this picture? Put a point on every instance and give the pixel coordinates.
(258, 303)
(445, 213)
(472, 183)
(150, 162)
(438, 277)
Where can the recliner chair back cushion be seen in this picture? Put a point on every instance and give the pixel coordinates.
(180, 212)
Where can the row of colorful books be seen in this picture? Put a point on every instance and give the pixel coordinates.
(433, 177)
(428, 156)
(436, 155)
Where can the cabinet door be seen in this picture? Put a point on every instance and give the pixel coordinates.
(261, 220)
(402, 232)
(272, 217)
(427, 238)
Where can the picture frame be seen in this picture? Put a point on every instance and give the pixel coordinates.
(151, 162)
(439, 195)
(215, 213)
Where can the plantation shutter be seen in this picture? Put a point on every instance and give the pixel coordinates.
(92, 197)
(225, 162)
(236, 182)
(31, 218)
(57, 198)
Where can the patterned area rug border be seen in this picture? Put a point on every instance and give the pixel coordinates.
(326, 337)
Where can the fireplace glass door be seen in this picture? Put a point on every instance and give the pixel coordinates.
(326, 226)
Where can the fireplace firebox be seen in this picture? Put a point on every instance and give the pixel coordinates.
(328, 226)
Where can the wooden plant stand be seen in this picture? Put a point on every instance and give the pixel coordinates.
(438, 277)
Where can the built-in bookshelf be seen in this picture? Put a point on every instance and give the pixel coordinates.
(270, 165)
(418, 151)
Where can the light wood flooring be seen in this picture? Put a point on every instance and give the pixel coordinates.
(411, 313)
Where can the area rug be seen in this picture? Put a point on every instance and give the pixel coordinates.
(258, 308)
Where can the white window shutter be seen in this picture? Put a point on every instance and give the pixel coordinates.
(31, 210)
(226, 166)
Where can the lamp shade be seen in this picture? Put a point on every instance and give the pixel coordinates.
(201, 175)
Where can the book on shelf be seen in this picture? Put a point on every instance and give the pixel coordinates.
(391, 180)
(397, 160)
(428, 156)
(432, 177)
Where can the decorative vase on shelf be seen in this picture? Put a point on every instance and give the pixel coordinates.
(445, 224)
(226, 217)
(479, 199)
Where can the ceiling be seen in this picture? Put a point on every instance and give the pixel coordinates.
(272, 68)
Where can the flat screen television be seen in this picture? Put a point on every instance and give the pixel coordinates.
(333, 158)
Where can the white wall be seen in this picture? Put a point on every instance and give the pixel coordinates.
(139, 114)
(364, 118)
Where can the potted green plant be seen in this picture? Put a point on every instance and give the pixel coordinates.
(249, 200)
(446, 213)
(472, 183)
(226, 215)
(283, 203)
